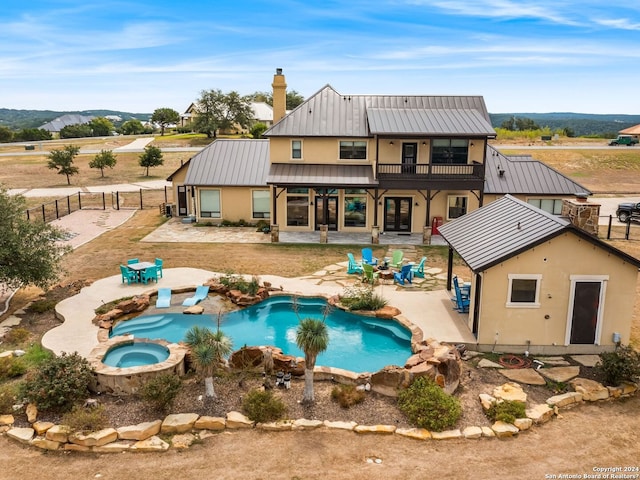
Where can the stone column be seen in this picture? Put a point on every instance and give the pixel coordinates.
(426, 235)
(324, 233)
(275, 233)
(375, 235)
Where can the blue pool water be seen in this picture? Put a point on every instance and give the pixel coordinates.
(135, 354)
(356, 342)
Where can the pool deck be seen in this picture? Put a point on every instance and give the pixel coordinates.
(431, 311)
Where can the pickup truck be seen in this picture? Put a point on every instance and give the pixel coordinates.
(628, 211)
(628, 140)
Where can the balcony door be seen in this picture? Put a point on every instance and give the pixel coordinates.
(327, 212)
(397, 214)
(409, 157)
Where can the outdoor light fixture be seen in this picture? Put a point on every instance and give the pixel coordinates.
(391, 142)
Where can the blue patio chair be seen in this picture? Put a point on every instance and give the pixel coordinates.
(369, 275)
(396, 259)
(353, 267)
(418, 270)
(159, 266)
(368, 258)
(128, 276)
(404, 275)
(164, 298)
(132, 261)
(149, 274)
(201, 293)
(462, 299)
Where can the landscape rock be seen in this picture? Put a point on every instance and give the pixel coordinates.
(6, 420)
(279, 426)
(389, 380)
(44, 444)
(510, 391)
(340, 425)
(388, 312)
(565, 399)
(194, 310)
(183, 441)
(590, 389)
(626, 388)
(94, 439)
(504, 429)
(540, 413)
(58, 433)
(305, 424)
(523, 423)
(21, 434)
(238, 420)
(486, 363)
(472, 432)
(447, 435)
(41, 427)
(385, 429)
(114, 447)
(486, 401)
(487, 432)
(152, 444)
(32, 413)
(528, 376)
(560, 374)
(141, 431)
(417, 433)
(178, 423)
(210, 423)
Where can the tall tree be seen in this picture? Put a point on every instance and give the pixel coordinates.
(132, 127)
(6, 134)
(101, 127)
(152, 157)
(218, 111)
(105, 159)
(29, 251)
(208, 350)
(293, 98)
(62, 160)
(312, 338)
(164, 117)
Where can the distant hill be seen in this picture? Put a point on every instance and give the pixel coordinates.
(582, 124)
(19, 119)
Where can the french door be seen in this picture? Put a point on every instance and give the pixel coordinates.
(326, 212)
(397, 214)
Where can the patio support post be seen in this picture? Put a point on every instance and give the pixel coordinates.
(426, 235)
(375, 235)
(324, 233)
(450, 269)
(275, 234)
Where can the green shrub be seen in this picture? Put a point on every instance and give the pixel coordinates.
(86, 419)
(619, 366)
(106, 307)
(506, 411)
(11, 367)
(237, 282)
(347, 395)
(36, 354)
(361, 298)
(8, 397)
(161, 391)
(426, 405)
(44, 305)
(58, 383)
(261, 406)
(17, 336)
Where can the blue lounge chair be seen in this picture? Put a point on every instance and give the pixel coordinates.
(353, 267)
(159, 266)
(201, 293)
(418, 270)
(369, 275)
(403, 275)
(368, 258)
(164, 298)
(132, 261)
(128, 276)
(396, 259)
(462, 299)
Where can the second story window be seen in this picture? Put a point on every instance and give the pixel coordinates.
(353, 150)
(449, 150)
(296, 149)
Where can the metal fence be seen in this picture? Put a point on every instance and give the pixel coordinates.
(142, 199)
(622, 231)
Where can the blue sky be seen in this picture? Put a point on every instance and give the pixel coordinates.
(136, 56)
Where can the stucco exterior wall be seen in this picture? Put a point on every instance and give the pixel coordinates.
(236, 203)
(556, 260)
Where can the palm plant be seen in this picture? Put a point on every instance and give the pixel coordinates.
(312, 337)
(208, 349)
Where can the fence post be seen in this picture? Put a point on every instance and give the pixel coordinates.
(165, 194)
(28, 215)
(57, 213)
(44, 215)
(69, 204)
(628, 229)
(79, 201)
(117, 200)
(104, 204)
(141, 206)
(609, 227)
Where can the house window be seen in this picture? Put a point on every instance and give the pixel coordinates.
(261, 201)
(353, 150)
(449, 151)
(355, 207)
(210, 203)
(296, 149)
(457, 206)
(524, 290)
(550, 205)
(298, 207)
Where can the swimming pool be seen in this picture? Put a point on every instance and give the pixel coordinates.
(132, 354)
(356, 342)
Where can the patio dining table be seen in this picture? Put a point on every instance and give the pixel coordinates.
(140, 267)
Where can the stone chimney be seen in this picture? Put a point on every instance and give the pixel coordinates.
(581, 213)
(279, 95)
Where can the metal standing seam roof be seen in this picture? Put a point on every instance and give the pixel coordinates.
(525, 175)
(242, 162)
(327, 175)
(330, 114)
(499, 230)
(65, 120)
(446, 121)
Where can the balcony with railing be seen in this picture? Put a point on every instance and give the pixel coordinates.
(431, 176)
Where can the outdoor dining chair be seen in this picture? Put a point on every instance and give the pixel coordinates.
(149, 274)
(131, 261)
(128, 276)
(159, 262)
